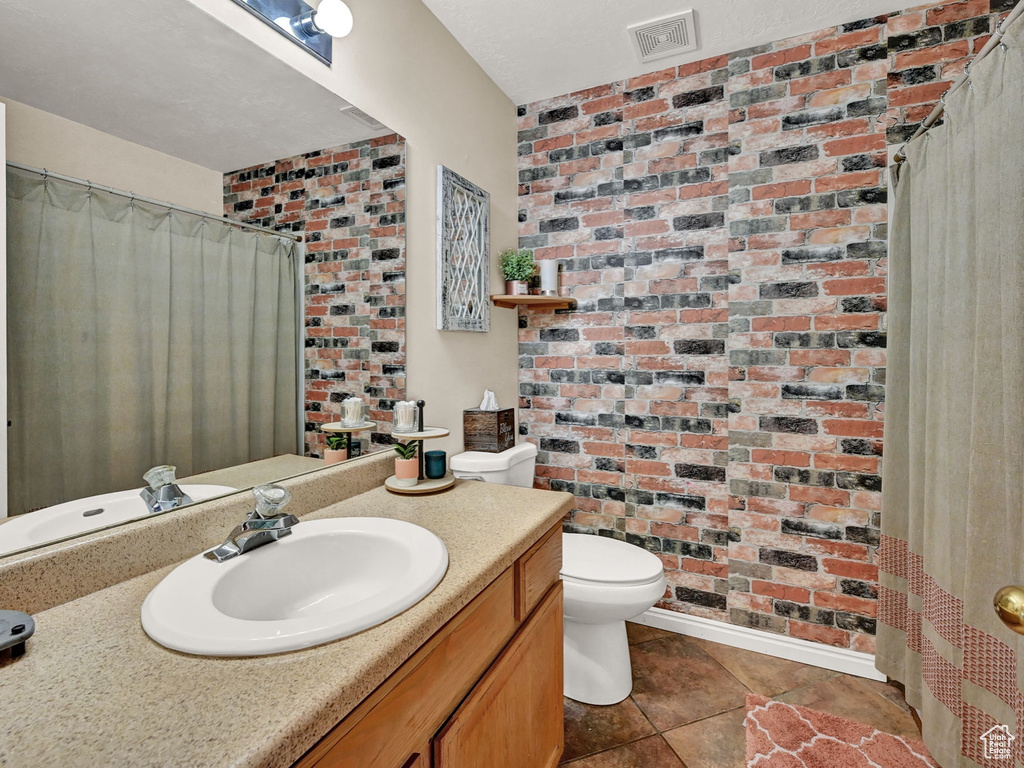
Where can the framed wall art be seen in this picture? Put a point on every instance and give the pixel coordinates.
(463, 254)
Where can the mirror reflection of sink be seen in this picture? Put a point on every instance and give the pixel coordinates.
(327, 580)
(83, 515)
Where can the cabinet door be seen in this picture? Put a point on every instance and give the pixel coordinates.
(398, 719)
(513, 717)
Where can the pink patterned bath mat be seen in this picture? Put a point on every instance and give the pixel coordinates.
(785, 736)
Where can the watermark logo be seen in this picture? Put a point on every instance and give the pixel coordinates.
(998, 743)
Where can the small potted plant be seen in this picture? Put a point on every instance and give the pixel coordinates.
(518, 268)
(337, 448)
(407, 466)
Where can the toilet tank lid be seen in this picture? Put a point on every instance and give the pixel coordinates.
(479, 461)
(606, 560)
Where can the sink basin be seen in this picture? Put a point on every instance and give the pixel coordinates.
(73, 518)
(327, 580)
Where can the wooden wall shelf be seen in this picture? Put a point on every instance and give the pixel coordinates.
(534, 302)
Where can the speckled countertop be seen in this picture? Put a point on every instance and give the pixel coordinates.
(93, 689)
(256, 472)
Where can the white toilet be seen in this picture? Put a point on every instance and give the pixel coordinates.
(606, 581)
(512, 467)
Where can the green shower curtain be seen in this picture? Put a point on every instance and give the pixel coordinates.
(953, 504)
(140, 336)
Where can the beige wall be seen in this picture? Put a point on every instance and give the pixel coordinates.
(402, 66)
(43, 140)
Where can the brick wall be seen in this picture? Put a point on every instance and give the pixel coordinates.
(718, 395)
(627, 396)
(807, 222)
(928, 47)
(350, 203)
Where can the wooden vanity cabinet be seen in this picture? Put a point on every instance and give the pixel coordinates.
(484, 692)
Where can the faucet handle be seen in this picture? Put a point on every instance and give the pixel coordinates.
(158, 477)
(270, 499)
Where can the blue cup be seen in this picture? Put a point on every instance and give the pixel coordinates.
(435, 464)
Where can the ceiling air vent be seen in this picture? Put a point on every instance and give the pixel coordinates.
(362, 117)
(663, 37)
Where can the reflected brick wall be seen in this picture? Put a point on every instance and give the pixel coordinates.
(350, 203)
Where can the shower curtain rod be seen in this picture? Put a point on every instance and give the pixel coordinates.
(936, 113)
(150, 201)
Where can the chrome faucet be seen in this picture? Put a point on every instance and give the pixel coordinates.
(161, 492)
(265, 524)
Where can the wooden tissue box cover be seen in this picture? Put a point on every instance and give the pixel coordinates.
(489, 431)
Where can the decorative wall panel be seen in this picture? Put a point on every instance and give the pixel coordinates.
(463, 254)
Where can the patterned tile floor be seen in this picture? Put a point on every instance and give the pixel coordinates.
(687, 706)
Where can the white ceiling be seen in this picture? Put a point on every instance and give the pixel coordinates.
(164, 74)
(536, 49)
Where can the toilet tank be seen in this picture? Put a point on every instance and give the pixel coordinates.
(512, 467)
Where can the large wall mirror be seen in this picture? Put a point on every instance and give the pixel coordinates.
(225, 334)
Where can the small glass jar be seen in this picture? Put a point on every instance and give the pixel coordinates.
(353, 412)
(404, 416)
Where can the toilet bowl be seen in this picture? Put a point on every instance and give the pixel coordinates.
(606, 581)
(512, 467)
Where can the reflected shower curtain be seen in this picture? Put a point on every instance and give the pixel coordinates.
(953, 504)
(139, 336)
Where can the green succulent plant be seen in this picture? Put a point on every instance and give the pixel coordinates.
(337, 441)
(517, 265)
(407, 450)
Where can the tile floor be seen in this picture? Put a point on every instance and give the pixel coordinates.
(687, 706)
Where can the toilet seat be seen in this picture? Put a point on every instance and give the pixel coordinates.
(610, 584)
(607, 562)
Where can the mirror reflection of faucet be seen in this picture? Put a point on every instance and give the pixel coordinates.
(162, 492)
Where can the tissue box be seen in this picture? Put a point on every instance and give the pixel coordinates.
(489, 431)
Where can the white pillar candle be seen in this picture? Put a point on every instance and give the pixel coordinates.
(549, 276)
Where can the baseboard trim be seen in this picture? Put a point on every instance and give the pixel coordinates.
(782, 647)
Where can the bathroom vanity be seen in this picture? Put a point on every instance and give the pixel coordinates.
(469, 676)
(486, 689)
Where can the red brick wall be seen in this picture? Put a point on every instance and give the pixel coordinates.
(350, 202)
(807, 222)
(627, 396)
(928, 47)
(717, 396)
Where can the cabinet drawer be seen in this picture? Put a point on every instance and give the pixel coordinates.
(389, 728)
(537, 571)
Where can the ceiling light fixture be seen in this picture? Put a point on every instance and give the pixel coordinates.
(331, 17)
(312, 28)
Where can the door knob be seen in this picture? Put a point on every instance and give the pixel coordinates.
(1009, 605)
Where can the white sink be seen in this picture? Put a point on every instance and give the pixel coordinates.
(73, 518)
(327, 580)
